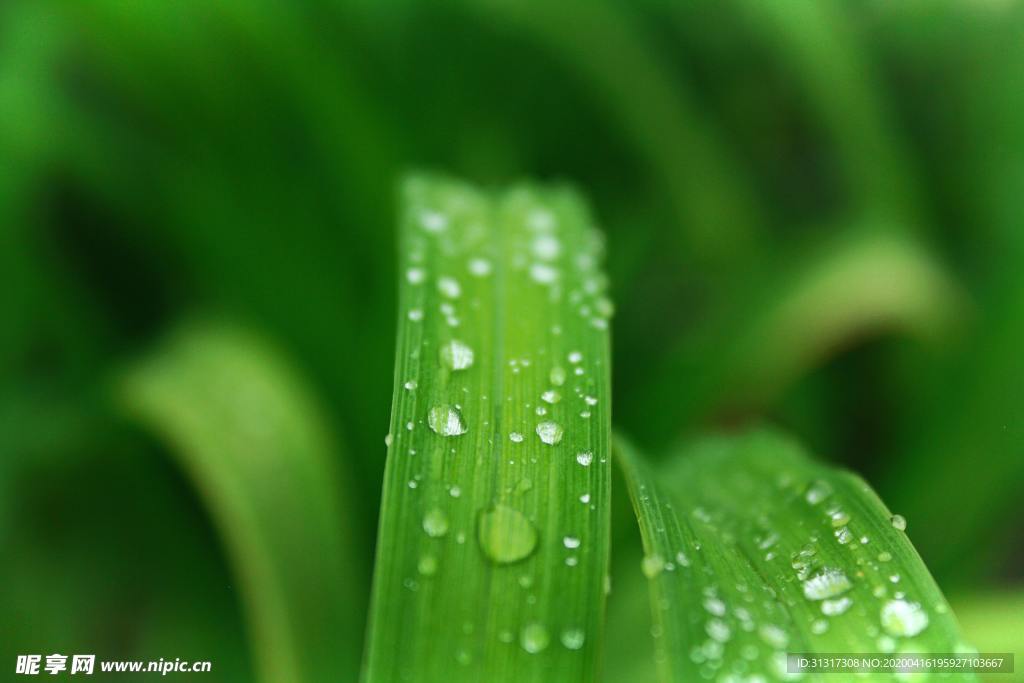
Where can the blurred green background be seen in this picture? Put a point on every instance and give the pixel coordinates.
(814, 211)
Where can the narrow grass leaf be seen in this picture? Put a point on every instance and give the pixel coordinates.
(494, 537)
(243, 426)
(753, 550)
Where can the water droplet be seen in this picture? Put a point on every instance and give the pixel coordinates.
(446, 421)
(410, 385)
(534, 638)
(652, 565)
(557, 376)
(388, 440)
(432, 221)
(590, 400)
(819, 626)
(551, 397)
(506, 535)
(575, 357)
(543, 273)
(573, 638)
(435, 523)
(516, 437)
(455, 492)
(456, 355)
(718, 630)
(818, 491)
(571, 542)
(904, 619)
(427, 565)
(773, 636)
(585, 498)
(828, 583)
(415, 276)
(715, 606)
(550, 432)
(899, 522)
(546, 247)
(843, 535)
(836, 607)
(585, 458)
(480, 267)
(415, 314)
(838, 516)
(449, 287)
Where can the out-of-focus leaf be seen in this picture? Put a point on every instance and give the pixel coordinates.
(243, 426)
(494, 538)
(753, 550)
(874, 283)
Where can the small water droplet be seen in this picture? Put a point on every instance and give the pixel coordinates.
(585, 498)
(718, 630)
(585, 458)
(427, 565)
(515, 437)
(652, 565)
(456, 355)
(480, 267)
(534, 638)
(449, 287)
(571, 542)
(410, 385)
(550, 432)
(557, 376)
(543, 273)
(575, 357)
(904, 619)
(819, 626)
(835, 607)
(435, 523)
(505, 535)
(551, 397)
(446, 421)
(388, 440)
(818, 491)
(715, 606)
(415, 276)
(843, 535)
(774, 636)
(573, 638)
(899, 522)
(415, 314)
(828, 583)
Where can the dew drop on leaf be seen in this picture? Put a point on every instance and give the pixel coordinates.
(505, 535)
(573, 638)
(435, 523)
(652, 565)
(534, 638)
(427, 565)
(585, 458)
(456, 355)
(827, 583)
(899, 522)
(904, 619)
(446, 421)
(550, 432)
(557, 376)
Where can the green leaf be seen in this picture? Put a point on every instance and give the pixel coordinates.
(242, 425)
(494, 536)
(753, 550)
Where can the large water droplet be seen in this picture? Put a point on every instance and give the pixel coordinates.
(534, 638)
(551, 396)
(505, 535)
(898, 522)
(435, 523)
(902, 618)
(550, 432)
(585, 458)
(828, 583)
(571, 542)
(456, 355)
(446, 421)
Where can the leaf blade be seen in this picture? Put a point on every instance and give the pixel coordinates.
(752, 513)
(504, 279)
(245, 429)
